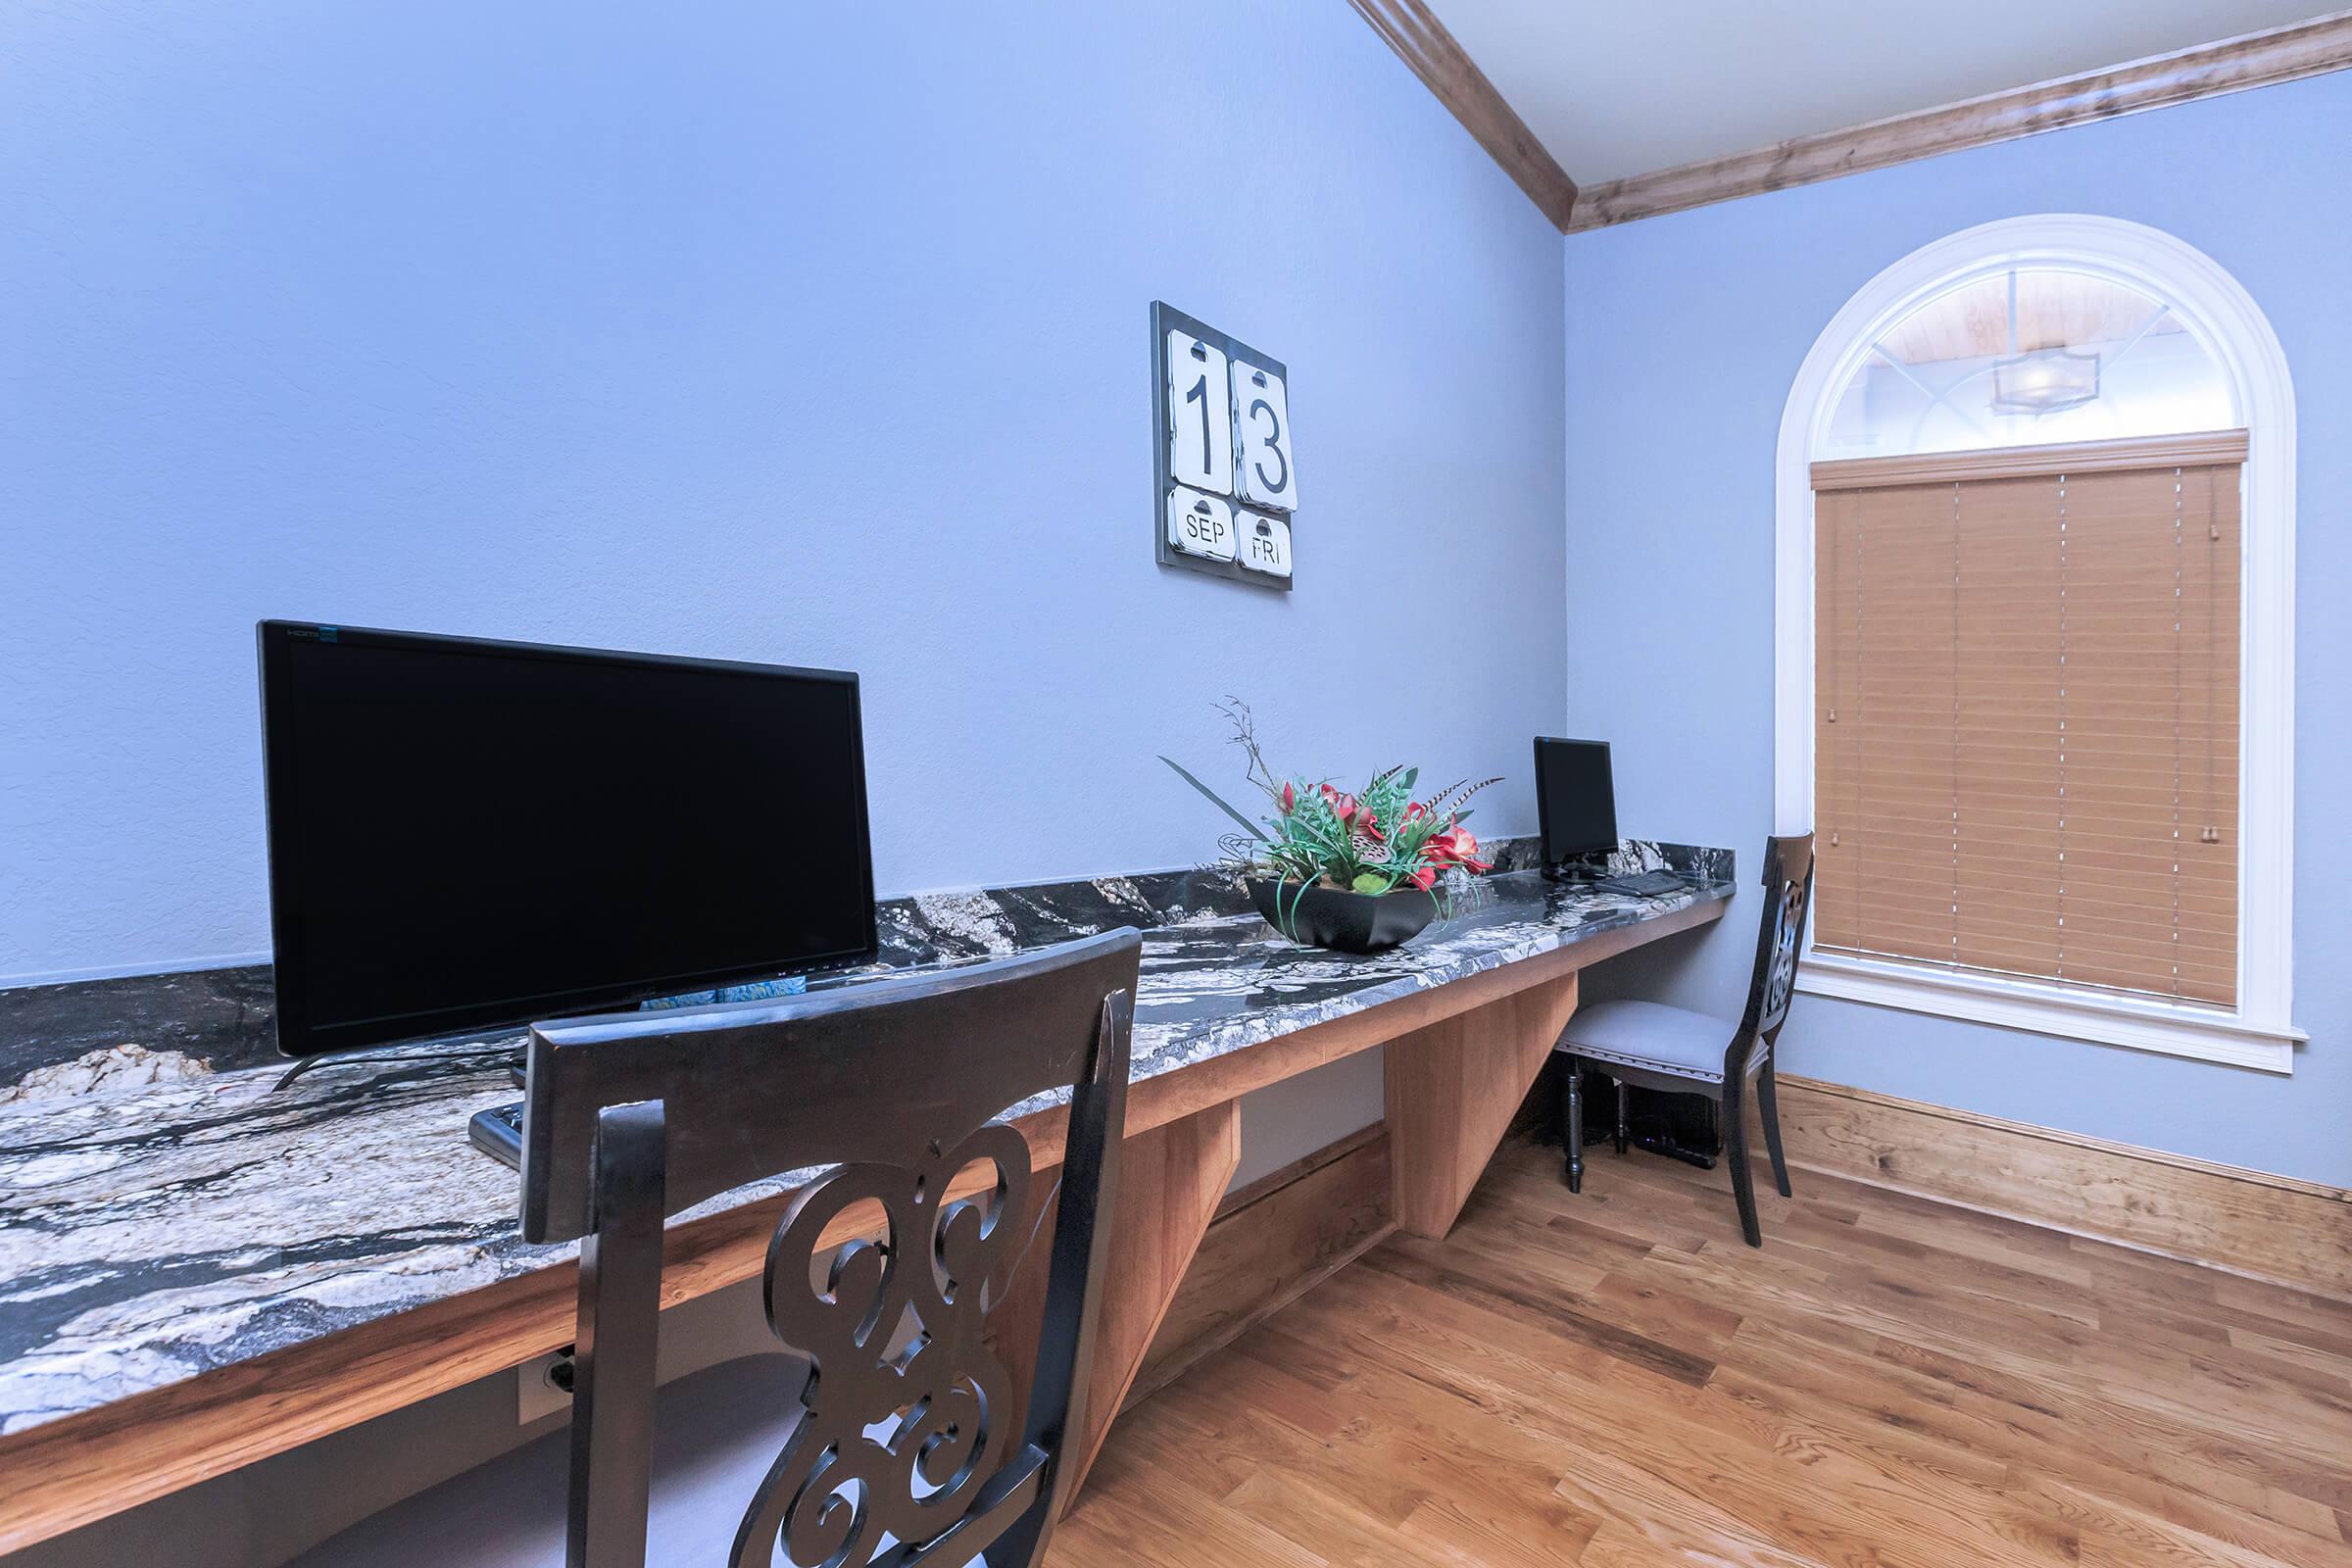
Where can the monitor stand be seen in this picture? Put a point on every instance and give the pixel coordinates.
(1579, 871)
(1583, 872)
(498, 1131)
(412, 1052)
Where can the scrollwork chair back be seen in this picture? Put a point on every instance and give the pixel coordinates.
(903, 1457)
(1779, 943)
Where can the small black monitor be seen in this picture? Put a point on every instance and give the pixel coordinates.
(1575, 799)
(468, 834)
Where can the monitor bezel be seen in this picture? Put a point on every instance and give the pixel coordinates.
(1544, 835)
(298, 1035)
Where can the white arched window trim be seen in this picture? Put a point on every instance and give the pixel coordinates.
(2259, 1032)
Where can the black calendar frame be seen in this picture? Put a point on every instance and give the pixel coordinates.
(1166, 319)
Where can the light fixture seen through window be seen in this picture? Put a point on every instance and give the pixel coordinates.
(2044, 380)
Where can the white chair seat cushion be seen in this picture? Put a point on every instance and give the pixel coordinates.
(715, 1433)
(1652, 1035)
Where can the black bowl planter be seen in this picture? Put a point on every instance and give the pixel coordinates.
(1351, 922)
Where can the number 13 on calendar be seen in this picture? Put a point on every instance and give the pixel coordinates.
(1228, 482)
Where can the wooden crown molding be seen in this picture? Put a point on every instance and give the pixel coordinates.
(2253, 60)
(1422, 42)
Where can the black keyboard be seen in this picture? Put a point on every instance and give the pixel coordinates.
(498, 1132)
(1641, 884)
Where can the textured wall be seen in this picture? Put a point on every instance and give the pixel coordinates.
(755, 331)
(752, 331)
(1683, 336)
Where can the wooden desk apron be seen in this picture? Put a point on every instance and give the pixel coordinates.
(197, 1275)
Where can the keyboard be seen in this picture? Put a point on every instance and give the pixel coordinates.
(1641, 884)
(498, 1132)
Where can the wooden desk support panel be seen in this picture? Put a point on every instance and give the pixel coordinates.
(1271, 1243)
(68, 1472)
(1453, 1088)
(1170, 1181)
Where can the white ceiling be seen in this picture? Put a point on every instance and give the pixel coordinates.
(1618, 87)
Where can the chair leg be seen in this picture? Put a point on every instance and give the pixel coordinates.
(1735, 1150)
(1625, 1130)
(1572, 1112)
(1769, 1106)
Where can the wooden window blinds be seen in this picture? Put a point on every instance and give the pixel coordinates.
(2025, 728)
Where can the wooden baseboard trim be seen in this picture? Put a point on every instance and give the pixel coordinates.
(1273, 1240)
(1274, 1181)
(2245, 1222)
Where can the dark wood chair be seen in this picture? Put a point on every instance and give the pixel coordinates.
(884, 1437)
(1684, 1052)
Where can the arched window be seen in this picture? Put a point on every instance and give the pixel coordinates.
(2035, 623)
(2014, 355)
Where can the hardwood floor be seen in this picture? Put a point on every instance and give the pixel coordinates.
(1612, 1380)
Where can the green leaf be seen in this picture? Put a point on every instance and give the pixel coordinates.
(1290, 926)
(1371, 883)
(1248, 826)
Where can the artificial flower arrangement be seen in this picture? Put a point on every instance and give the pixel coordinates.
(1323, 847)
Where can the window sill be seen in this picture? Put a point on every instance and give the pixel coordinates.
(2203, 1034)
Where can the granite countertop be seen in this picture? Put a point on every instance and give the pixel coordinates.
(165, 1214)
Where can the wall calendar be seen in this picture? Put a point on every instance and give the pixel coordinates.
(1225, 485)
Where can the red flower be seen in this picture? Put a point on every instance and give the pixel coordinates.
(1343, 808)
(1456, 846)
(1424, 878)
(1416, 808)
(1290, 798)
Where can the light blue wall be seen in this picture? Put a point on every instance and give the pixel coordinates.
(1683, 336)
(768, 332)
(666, 326)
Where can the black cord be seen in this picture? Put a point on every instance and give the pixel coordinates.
(348, 1059)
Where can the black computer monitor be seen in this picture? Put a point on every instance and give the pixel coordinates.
(468, 834)
(1575, 799)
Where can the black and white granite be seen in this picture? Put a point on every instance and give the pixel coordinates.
(65, 1039)
(166, 1211)
(102, 1034)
